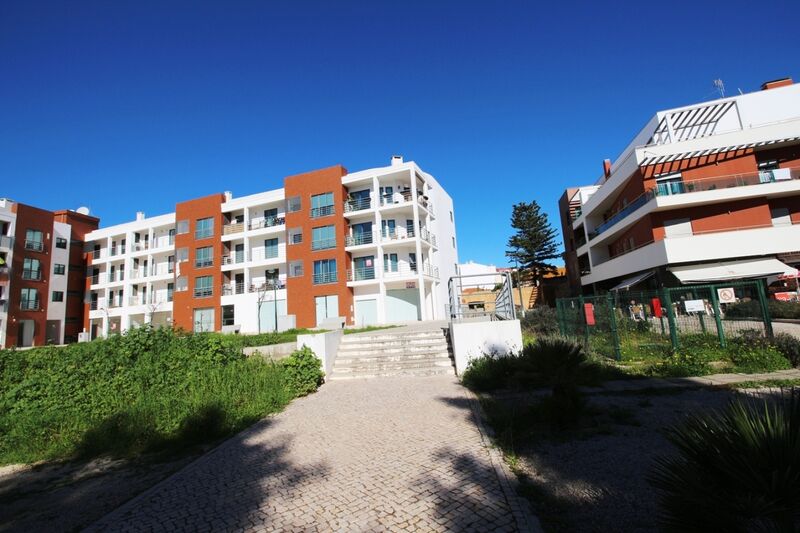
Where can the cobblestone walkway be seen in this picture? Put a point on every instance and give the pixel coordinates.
(390, 454)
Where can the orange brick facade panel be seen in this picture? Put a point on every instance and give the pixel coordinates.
(29, 218)
(184, 302)
(301, 291)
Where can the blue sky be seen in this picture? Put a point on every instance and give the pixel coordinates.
(126, 106)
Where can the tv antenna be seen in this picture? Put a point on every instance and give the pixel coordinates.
(720, 87)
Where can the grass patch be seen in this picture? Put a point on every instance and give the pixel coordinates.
(147, 391)
(770, 383)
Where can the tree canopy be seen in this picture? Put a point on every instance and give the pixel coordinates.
(534, 243)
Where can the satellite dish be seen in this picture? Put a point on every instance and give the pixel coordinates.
(83, 210)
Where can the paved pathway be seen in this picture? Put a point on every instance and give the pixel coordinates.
(389, 454)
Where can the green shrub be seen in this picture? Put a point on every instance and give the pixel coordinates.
(540, 320)
(679, 365)
(789, 346)
(557, 359)
(146, 390)
(749, 358)
(489, 372)
(303, 371)
(736, 470)
(752, 308)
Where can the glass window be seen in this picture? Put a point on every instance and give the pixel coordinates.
(182, 227)
(322, 205)
(203, 257)
(31, 269)
(181, 284)
(293, 204)
(203, 286)
(323, 238)
(172, 236)
(170, 291)
(390, 263)
(204, 320)
(61, 242)
(295, 236)
(29, 299)
(58, 296)
(295, 269)
(34, 240)
(271, 248)
(183, 254)
(227, 315)
(59, 269)
(204, 228)
(325, 271)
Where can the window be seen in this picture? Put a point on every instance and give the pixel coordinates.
(667, 185)
(323, 238)
(390, 263)
(172, 236)
(203, 286)
(34, 240)
(182, 227)
(61, 242)
(322, 205)
(31, 269)
(227, 315)
(270, 248)
(388, 228)
(271, 217)
(170, 291)
(325, 271)
(29, 299)
(58, 296)
(183, 254)
(181, 284)
(451, 216)
(412, 261)
(293, 204)
(204, 228)
(296, 269)
(454, 241)
(59, 269)
(295, 235)
(203, 257)
(204, 320)
(781, 216)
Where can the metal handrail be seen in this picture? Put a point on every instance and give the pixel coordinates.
(357, 204)
(361, 274)
(323, 211)
(325, 277)
(36, 246)
(358, 239)
(323, 244)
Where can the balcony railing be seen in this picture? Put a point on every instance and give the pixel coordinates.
(359, 238)
(267, 286)
(141, 246)
(323, 211)
(236, 227)
(235, 259)
(93, 305)
(262, 254)
(357, 204)
(203, 263)
(6, 241)
(361, 274)
(427, 236)
(29, 304)
(232, 288)
(203, 292)
(295, 238)
(36, 246)
(324, 277)
(35, 275)
(323, 244)
(267, 222)
(430, 270)
(700, 185)
(398, 234)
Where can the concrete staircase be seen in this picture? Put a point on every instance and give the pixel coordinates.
(400, 352)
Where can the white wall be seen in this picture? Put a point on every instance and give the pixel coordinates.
(447, 255)
(474, 339)
(486, 282)
(58, 310)
(324, 345)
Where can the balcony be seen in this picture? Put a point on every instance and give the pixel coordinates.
(235, 259)
(36, 246)
(396, 198)
(359, 239)
(6, 241)
(264, 254)
(232, 288)
(399, 270)
(140, 246)
(93, 305)
(427, 236)
(324, 277)
(30, 304)
(272, 285)
(324, 211)
(357, 204)
(229, 229)
(323, 244)
(430, 270)
(397, 234)
(361, 274)
(716, 183)
(203, 292)
(267, 222)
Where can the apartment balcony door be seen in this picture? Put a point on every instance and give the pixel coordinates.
(327, 307)
(364, 268)
(239, 253)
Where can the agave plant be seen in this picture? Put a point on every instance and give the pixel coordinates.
(736, 469)
(557, 358)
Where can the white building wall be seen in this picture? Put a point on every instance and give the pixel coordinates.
(487, 282)
(7, 216)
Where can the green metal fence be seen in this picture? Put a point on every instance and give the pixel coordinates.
(622, 324)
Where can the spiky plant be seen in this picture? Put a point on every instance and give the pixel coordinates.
(556, 358)
(736, 470)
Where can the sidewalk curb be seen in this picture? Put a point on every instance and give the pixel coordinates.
(523, 515)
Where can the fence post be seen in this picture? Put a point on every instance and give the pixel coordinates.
(717, 318)
(560, 317)
(614, 333)
(673, 331)
(762, 296)
(582, 311)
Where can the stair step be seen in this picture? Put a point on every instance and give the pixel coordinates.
(395, 340)
(391, 365)
(351, 339)
(431, 357)
(438, 371)
(378, 349)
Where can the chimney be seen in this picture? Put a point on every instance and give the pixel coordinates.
(397, 160)
(228, 196)
(139, 215)
(606, 168)
(774, 84)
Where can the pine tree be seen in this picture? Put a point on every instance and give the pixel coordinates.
(534, 244)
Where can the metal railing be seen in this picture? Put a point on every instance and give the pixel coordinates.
(262, 254)
(398, 234)
(233, 288)
(203, 263)
(359, 238)
(323, 211)
(357, 204)
(267, 222)
(296, 238)
(471, 297)
(29, 304)
(203, 292)
(36, 246)
(6, 241)
(427, 236)
(325, 277)
(35, 275)
(267, 286)
(235, 259)
(323, 244)
(361, 274)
